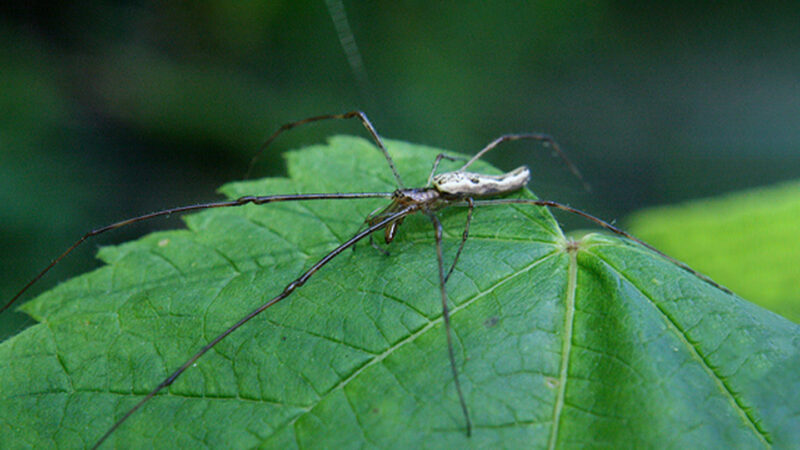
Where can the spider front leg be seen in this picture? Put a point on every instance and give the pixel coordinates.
(437, 227)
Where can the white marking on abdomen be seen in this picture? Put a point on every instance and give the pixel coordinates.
(480, 185)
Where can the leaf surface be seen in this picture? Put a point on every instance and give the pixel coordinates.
(605, 344)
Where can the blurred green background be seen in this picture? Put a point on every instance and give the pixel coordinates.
(110, 109)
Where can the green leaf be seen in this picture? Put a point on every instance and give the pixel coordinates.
(747, 241)
(599, 343)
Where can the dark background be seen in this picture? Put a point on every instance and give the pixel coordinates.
(110, 109)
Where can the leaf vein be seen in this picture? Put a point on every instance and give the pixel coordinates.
(411, 338)
(719, 380)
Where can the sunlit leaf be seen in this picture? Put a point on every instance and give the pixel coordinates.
(747, 241)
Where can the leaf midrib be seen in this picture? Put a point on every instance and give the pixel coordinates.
(566, 346)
